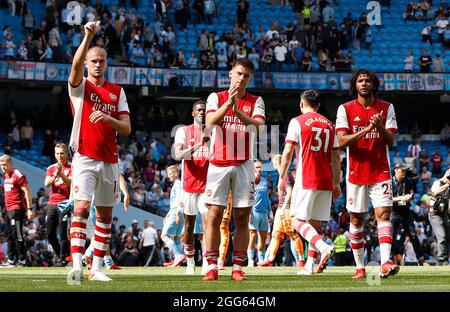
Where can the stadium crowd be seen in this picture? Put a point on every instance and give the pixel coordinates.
(131, 40)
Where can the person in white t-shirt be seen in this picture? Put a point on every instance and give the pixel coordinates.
(149, 242)
(280, 52)
(100, 111)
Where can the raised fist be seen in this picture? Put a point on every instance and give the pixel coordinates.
(91, 27)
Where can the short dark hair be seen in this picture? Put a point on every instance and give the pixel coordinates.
(373, 77)
(198, 103)
(245, 63)
(312, 97)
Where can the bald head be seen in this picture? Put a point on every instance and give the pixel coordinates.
(96, 50)
(96, 61)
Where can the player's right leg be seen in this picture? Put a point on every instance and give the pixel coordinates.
(188, 242)
(217, 191)
(357, 205)
(356, 235)
(314, 206)
(204, 223)
(78, 237)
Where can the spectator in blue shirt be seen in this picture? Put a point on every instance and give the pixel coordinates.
(193, 61)
(10, 47)
(137, 54)
(297, 55)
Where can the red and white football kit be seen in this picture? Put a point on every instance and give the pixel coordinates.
(95, 169)
(368, 167)
(232, 147)
(314, 137)
(195, 169)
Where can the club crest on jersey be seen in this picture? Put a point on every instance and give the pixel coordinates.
(246, 109)
(350, 201)
(112, 96)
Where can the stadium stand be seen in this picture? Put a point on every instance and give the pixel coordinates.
(261, 16)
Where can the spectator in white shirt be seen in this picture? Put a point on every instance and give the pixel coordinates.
(149, 243)
(426, 34)
(441, 25)
(280, 52)
(409, 61)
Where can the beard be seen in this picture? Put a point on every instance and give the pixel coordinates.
(366, 94)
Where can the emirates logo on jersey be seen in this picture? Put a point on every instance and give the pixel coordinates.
(246, 109)
(113, 97)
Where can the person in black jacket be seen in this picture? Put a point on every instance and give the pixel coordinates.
(403, 194)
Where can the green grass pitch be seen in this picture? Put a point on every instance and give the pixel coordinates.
(274, 279)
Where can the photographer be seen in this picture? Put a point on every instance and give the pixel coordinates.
(403, 194)
(438, 215)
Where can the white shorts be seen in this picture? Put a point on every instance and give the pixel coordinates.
(240, 180)
(94, 177)
(310, 204)
(192, 203)
(358, 196)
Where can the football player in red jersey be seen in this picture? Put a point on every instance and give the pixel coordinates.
(366, 127)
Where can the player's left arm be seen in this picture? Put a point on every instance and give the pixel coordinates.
(336, 169)
(123, 188)
(28, 199)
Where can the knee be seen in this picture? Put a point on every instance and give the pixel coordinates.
(357, 220)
